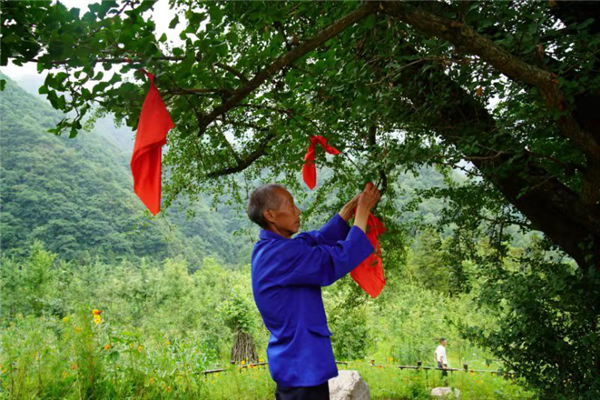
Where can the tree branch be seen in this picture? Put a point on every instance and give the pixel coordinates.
(114, 60)
(468, 40)
(287, 59)
(242, 124)
(233, 71)
(229, 146)
(194, 91)
(245, 162)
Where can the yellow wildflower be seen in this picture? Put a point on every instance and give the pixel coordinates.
(66, 319)
(168, 343)
(77, 329)
(140, 348)
(106, 346)
(243, 362)
(168, 389)
(260, 360)
(97, 319)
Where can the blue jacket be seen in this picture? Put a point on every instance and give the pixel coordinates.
(287, 275)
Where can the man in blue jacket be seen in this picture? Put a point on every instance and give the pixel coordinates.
(287, 275)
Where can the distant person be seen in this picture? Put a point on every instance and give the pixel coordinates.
(440, 357)
(287, 275)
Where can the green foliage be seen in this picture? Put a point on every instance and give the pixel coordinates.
(155, 329)
(548, 322)
(388, 91)
(238, 311)
(76, 197)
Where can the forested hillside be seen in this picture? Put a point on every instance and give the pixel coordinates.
(75, 196)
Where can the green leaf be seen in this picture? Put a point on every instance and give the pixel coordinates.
(113, 356)
(174, 22)
(216, 14)
(369, 22)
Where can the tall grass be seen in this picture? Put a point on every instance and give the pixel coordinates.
(160, 327)
(82, 357)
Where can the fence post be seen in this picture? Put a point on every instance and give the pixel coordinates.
(465, 367)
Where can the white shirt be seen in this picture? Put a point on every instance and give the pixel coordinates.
(440, 355)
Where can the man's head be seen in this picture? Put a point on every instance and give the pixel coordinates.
(443, 342)
(272, 207)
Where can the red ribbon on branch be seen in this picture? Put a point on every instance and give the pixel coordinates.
(369, 274)
(309, 171)
(146, 161)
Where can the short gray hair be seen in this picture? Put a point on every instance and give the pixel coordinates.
(263, 198)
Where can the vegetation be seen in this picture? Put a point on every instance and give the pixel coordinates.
(163, 318)
(97, 330)
(505, 92)
(75, 196)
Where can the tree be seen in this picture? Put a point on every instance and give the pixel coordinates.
(394, 85)
(271, 76)
(239, 318)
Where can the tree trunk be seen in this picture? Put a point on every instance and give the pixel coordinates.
(243, 349)
(551, 206)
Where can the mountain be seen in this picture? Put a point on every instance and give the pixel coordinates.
(75, 195)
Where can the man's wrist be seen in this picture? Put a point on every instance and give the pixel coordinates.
(362, 210)
(345, 214)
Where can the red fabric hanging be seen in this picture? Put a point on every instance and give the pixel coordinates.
(369, 274)
(155, 122)
(309, 172)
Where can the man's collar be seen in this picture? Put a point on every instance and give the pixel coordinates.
(267, 234)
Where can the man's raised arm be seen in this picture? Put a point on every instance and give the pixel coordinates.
(337, 227)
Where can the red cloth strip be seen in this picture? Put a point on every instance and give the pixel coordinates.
(369, 274)
(309, 171)
(155, 121)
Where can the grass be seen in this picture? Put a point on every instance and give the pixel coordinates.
(385, 382)
(82, 356)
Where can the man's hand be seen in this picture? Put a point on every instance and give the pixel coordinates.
(367, 199)
(348, 210)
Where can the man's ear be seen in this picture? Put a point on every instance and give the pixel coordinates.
(268, 216)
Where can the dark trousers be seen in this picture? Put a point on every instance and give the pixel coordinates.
(444, 372)
(320, 392)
